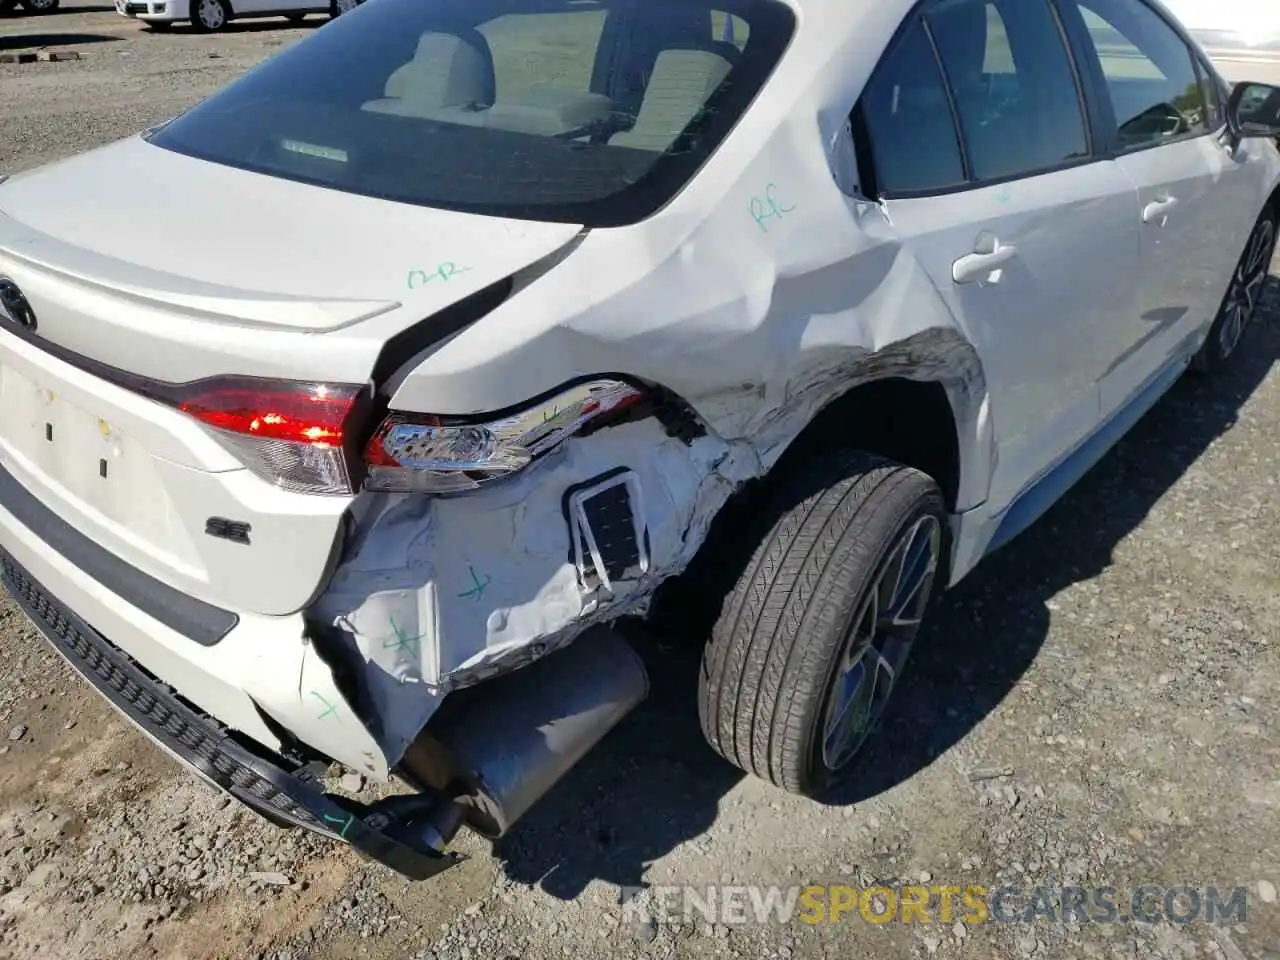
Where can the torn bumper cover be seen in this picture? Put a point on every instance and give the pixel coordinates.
(260, 783)
(436, 595)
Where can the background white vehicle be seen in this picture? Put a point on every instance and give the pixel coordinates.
(463, 329)
(211, 15)
(1241, 36)
(32, 6)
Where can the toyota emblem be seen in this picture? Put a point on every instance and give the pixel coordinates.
(14, 308)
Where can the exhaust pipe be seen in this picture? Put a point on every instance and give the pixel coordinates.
(515, 736)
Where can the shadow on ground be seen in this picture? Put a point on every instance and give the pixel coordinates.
(30, 41)
(267, 25)
(654, 784)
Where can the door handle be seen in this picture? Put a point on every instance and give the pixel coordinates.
(1158, 210)
(977, 266)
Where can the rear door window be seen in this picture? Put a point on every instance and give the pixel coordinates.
(1013, 84)
(974, 91)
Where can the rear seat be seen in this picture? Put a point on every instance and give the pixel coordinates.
(451, 78)
(683, 80)
(448, 78)
(547, 111)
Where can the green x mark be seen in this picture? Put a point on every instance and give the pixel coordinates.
(477, 591)
(401, 640)
(346, 824)
(330, 709)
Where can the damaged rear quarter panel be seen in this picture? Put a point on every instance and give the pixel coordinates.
(438, 593)
(761, 294)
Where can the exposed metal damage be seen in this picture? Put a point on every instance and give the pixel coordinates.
(439, 594)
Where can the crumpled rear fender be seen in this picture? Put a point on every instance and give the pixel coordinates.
(756, 299)
(440, 593)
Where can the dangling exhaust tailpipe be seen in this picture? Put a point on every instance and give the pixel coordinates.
(498, 747)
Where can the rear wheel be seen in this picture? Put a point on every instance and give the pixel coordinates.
(208, 16)
(40, 6)
(1243, 295)
(810, 644)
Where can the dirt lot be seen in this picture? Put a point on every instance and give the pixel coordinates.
(1097, 706)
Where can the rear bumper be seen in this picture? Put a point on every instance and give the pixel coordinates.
(250, 776)
(260, 676)
(201, 622)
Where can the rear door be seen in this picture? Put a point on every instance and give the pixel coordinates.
(1198, 198)
(1032, 242)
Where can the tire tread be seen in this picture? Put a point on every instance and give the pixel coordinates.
(766, 667)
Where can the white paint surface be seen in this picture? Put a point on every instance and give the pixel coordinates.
(762, 292)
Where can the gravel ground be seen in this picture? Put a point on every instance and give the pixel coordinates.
(1097, 705)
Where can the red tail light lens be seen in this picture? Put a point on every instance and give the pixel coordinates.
(299, 412)
(291, 434)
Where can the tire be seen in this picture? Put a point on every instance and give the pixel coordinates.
(794, 624)
(210, 16)
(1241, 301)
(338, 7)
(40, 6)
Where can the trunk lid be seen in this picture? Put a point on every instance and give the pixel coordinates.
(171, 269)
(176, 269)
(226, 241)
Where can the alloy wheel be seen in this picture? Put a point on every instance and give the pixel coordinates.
(880, 640)
(1247, 284)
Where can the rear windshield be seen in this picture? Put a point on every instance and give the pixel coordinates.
(580, 111)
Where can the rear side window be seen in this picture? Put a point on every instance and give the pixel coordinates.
(908, 120)
(1154, 90)
(998, 68)
(1014, 88)
(581, 111)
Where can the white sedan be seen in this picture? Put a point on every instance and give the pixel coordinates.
(214, 15)
(31, 6)
(342, 416)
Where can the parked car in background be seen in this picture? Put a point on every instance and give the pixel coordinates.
(31, 6)
(1242, 37)
(344, 416)
(212, 15)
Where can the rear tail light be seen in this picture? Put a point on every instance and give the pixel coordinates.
(294, 435)
(426, 454)
(305, 437)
